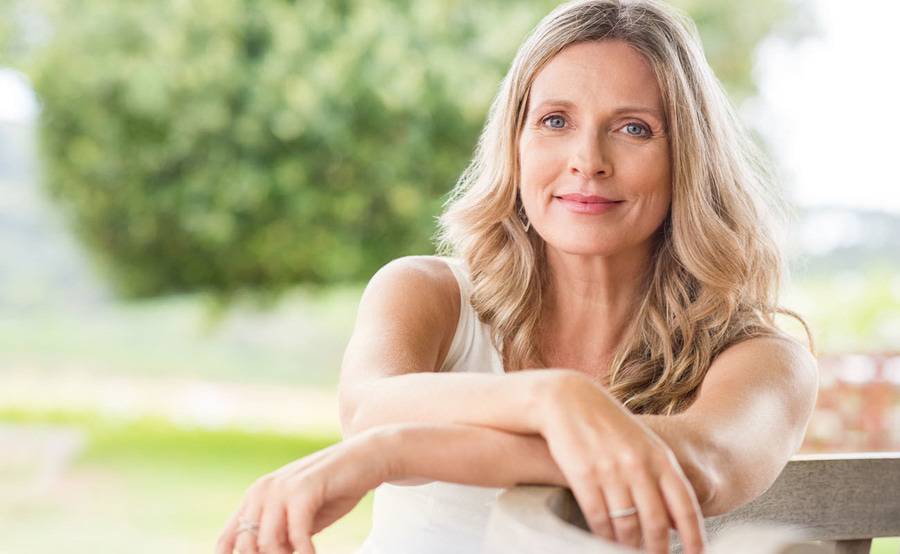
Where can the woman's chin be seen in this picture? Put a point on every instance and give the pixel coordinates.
(580, 246)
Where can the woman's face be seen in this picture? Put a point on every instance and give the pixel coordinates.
(593, 151)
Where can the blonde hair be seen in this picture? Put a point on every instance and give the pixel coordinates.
(716, 270)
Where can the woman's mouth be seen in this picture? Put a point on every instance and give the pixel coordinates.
(587, 204)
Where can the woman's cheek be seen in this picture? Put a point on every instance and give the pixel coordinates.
(541, 163)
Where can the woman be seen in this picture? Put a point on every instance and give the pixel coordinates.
(604, 320)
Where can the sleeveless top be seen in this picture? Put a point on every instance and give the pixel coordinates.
(440, 517)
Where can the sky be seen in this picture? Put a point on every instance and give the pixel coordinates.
(17, 102)
(829, 106)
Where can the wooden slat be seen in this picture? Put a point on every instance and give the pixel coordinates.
(830, 497)
(861, 546)
(850, 498)
(536, 520)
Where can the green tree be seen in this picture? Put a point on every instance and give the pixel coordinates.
(220, 145)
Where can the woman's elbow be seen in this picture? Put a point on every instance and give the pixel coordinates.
(737, 485)
(347, 411)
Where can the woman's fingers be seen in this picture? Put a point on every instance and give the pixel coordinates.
(246, 537)
(627, 526)
(300, 516)
(225, 543)
(685, 511)
(273, 537)
(589, 496)
(652, 511)
(661, 503)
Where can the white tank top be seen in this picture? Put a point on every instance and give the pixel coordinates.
(440, 517)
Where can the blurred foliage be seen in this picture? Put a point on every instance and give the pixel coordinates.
(248, 145)
(6, 31)
(20, 29)
(852, 311)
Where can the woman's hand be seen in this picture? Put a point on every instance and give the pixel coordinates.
(626, 479)
(282, 511)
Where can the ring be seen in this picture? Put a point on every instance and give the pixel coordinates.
(624, 512)
(247, 525)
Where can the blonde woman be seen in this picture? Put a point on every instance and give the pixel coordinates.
(603, 318)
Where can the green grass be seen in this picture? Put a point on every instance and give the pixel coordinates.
(886, 546)
(150, 486)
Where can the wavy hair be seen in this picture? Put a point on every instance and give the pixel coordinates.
(716, 267)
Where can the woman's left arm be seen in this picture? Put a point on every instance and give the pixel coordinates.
(749, 418)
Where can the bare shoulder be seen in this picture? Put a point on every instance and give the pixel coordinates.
(422, 282)
(406, 319)
(778, 352)
(770, 361)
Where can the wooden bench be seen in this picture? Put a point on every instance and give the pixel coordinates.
(820, 503)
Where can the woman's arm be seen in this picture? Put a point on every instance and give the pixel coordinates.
(751, 413)
(295, 502)
(290, 505)
(509, 407)
(508, 402)
(466, 454)
(602, 464)
(406, 322)
(758, 393)
(481, 456)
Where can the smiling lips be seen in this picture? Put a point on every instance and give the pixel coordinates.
(587, 204)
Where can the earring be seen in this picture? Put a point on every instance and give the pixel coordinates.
(523, 217)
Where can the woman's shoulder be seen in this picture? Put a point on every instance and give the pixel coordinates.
(776, 342)
(778, 353)
(425, 283)
(431, 272)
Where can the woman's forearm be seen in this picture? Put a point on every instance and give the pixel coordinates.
(468, 455)
(475, 409)
(481, 456)
(506, 402)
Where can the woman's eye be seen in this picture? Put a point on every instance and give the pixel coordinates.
(642, 131)
(551, 118)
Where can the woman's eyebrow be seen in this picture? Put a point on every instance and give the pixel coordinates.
(621, 109)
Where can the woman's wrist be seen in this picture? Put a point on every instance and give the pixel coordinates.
(381, 448)
(547, 395)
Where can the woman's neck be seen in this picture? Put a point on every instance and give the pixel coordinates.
(589, 305)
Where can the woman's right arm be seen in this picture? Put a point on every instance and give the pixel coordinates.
(405, 323)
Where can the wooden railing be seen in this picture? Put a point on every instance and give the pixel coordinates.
(820, 503)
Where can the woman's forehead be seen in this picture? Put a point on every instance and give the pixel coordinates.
(608, 72)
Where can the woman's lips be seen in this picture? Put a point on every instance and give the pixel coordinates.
(589, 198)
(582, 204)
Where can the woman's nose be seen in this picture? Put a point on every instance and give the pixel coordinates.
(590, 157)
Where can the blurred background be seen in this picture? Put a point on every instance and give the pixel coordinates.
(193, 194)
